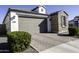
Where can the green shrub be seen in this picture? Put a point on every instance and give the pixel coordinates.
(72, 31)
(77, 34)
(18, 41)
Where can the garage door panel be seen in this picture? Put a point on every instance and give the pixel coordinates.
(31, 25)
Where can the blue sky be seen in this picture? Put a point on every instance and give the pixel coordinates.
(72, 10)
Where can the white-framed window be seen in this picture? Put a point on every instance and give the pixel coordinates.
(13, 21)
(63, 21)
(41, 9)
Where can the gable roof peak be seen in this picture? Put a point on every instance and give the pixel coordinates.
(58, 12)
(38, 7)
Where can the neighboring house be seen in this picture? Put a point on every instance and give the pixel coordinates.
(36, 21)
(75, 22)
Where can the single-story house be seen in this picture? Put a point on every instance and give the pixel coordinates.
(36, 20)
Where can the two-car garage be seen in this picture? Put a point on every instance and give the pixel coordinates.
(32, 24)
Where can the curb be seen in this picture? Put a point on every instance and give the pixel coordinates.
(34, 48)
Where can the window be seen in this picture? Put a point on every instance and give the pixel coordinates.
(13, 18)
(41, 9)
(63, 21)
(76, 23)
(13, 21)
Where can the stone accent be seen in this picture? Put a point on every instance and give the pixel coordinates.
(56, 22)
(60, 28)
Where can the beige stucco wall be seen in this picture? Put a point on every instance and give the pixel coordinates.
(14, 21)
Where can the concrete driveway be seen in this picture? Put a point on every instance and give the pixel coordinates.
(44, 41)
(69, 47)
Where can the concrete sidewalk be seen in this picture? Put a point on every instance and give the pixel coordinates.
(69, 47)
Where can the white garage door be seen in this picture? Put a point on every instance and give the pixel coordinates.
(31, 25)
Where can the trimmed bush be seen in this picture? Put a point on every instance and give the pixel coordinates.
(72, 31)
(77, 34)
(18, 41)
